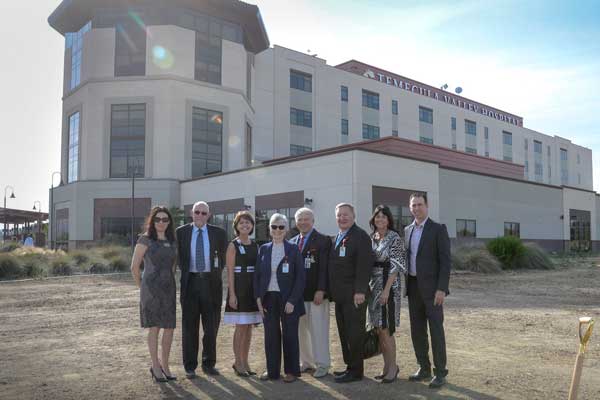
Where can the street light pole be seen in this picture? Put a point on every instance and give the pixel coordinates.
(132, 206)
(51, 211)
(12, 196)
(39, 223)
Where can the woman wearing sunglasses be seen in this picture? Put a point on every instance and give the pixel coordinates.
(279, 287)
(156, 248)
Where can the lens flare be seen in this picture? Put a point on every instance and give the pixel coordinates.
(162, 57)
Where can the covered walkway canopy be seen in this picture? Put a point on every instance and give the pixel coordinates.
(22, 221)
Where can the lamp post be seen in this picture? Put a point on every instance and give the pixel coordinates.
(51, 210)
(12, 196)
(39, 223)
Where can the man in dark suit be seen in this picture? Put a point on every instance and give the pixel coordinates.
(428, 260)
(350, 264)
(314, 325)
(201, 249)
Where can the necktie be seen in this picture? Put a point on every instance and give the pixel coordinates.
(301, 244)
(200, 263)
(337, 240)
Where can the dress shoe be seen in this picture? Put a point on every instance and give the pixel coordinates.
(348, 377)
(306, 369)
(190, 374)
(169, 377)
(320, 372)
(243, 374)
(421, 375)
(211, 371)
(385, 380)
(265, 377)
(340, 373)
(437, 382)
(289, 378)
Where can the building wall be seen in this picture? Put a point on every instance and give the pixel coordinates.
(579, 200)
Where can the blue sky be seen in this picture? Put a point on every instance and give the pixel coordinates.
(537, 59)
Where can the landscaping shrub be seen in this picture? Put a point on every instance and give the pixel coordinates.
(475, 259)
(534, 257)
(10, 268)
(7, 247)
(80, 257)
(113, 240)
(32, 266)
(507, 250)
(61, 267)
(98, 268)
(118, 264)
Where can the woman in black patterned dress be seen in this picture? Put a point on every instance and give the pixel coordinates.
(384, 304)
(241, 308)
(156, 248)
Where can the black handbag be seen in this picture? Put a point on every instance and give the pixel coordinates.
(371, 346)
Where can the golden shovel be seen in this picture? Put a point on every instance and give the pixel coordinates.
(585, 323)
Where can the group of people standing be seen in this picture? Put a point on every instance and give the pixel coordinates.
(288, 284)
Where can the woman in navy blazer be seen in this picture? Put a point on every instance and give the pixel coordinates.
(278, 287)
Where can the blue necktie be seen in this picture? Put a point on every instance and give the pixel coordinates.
(337, 240)
(200, 263)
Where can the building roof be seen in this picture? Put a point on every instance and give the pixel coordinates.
(71, 15)
(13, 216)
(446, 158)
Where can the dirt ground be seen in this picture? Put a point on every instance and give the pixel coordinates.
(509, 336)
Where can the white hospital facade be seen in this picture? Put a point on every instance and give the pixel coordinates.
(190, 97)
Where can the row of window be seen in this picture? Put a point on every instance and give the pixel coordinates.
(466, 228)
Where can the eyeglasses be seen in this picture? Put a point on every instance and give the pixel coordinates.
(280, 227)
(163, 220)
(200, 212)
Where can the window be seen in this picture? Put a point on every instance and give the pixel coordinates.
(426, 140)
(262, 222)
(470, 150)
(578, 178)
(507, 138)
(452, 122)
(207, 141)
(74, 41)
(564, 167)
(208, 49)
(344, 93)
(300, 117)
(426, 115)
(130, 49)
(249, 158)
(537, 147)
(370, 131)
(578, 159)
(120, 226)
(466, 228)
(73, 163)
(486, 133)
(224, 221)
(507, 146)
(538, 166)
(526, 144)
(526, 168)
(487, 153)
(453, 146)
(249, 64)
(470, 127)
(344, 131)
(301, 81)
(127, 140)
(298, 150)
(370, 99)
(395, 107)
(512, 229)
(394, 133)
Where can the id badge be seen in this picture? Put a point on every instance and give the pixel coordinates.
(343, 251)
(285, 268)
(216, 262)
(242, 249)
(307, 262)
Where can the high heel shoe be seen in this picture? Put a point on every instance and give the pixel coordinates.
(251, 373)
(156, 378)
(380, 377)
(240, 373)
(169, 377)
(384, 380)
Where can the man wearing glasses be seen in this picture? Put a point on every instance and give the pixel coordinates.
(201, 249)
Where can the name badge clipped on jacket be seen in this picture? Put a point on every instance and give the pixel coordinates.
(285, 267)
(343, 248)
(308, 260)
(216, 260)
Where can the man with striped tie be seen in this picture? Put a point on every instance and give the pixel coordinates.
(351, 260)
(202, 250)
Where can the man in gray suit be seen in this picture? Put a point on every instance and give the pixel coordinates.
(428, 260)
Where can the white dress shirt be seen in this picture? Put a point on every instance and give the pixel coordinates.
(415, 239)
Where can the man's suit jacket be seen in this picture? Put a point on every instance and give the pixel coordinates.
(218, 246)
(350, 274)
(433, 258)
(291, 284)
(317, 248)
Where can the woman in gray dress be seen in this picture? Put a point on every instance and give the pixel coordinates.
(384, 304)
(156, 248)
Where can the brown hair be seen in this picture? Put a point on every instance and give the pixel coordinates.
(150, 229)
(422, 195)
(242, 215)
(385, 210)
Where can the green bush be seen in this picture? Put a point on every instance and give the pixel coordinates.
(475, 259)
(118, 264)
(10, 268)
(113, 240)
(61, 267)
(79, 257)
(7, 247)
(32, 266)
(98, 268)
(534, 257)
(507, 250)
